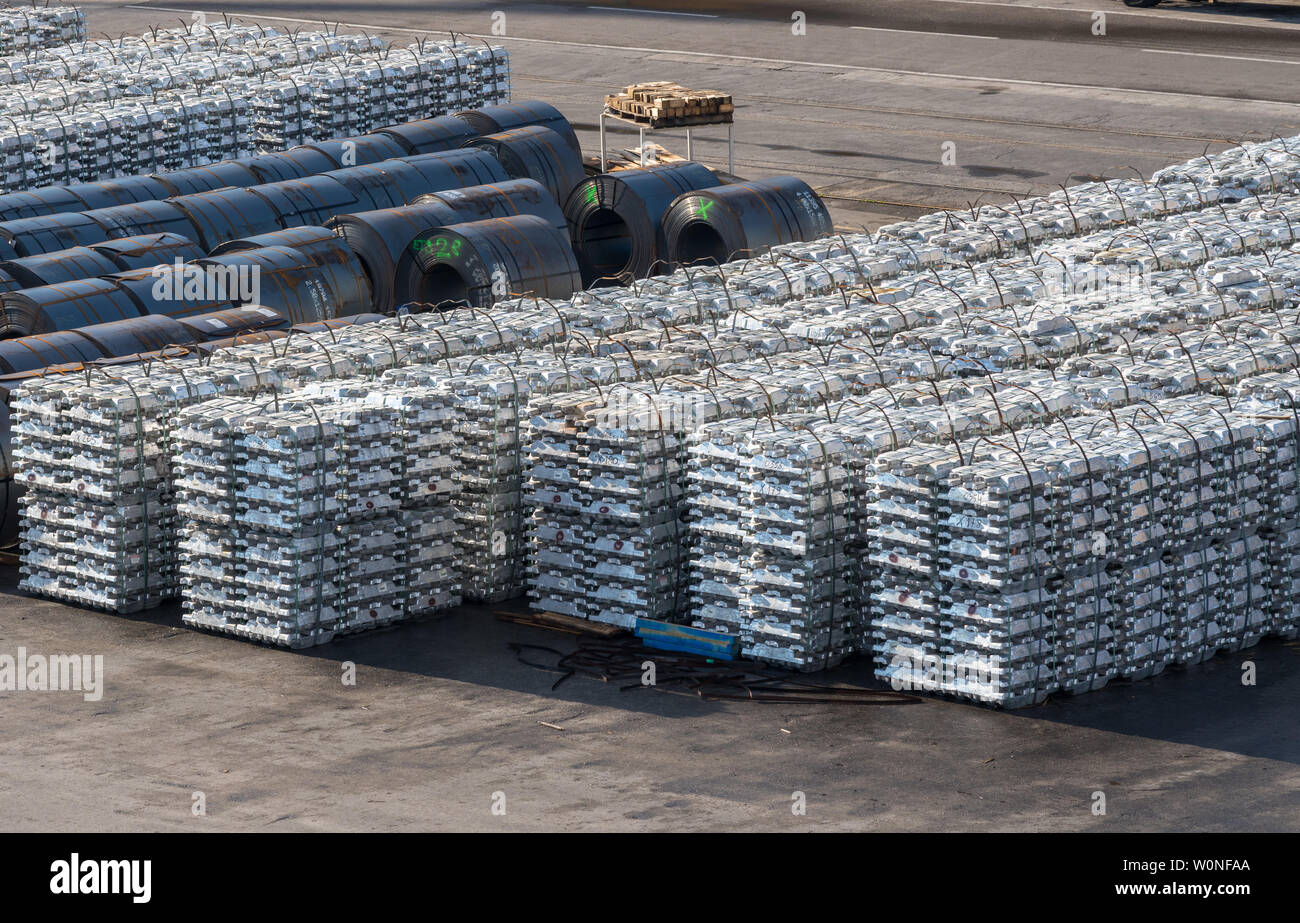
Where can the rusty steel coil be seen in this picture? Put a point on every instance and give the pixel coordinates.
(59, 266)
(743, 219)
(428, 136)
(329, 252)
(480, 262)
(146, 250)
(535, 152)
(616, 219)
(492, 119)
(64, 306)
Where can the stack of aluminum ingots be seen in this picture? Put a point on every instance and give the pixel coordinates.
(23, 29)
(98, 511)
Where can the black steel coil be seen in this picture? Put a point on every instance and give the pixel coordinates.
(25, 354)
(330, 253)
(47, 233)
(288, 281)
(494, 200)
(371, 186)
(454, 169)
(64, 306)
(616, 219)
(184, 290)
(492, 119)
(228, 214)
(222, 325)
(156, 216)
(59, 266)
(207, 347)
(276, 166)
(121, 191)
(50, 200)
(427, 136)
(145, 250)
(137, 335)
(44, 200)
(310, 200)
(536, 152)
(306, 160)
(479, 262)
(8, 283)
(191, 180)
(743, 219)
(360, 150)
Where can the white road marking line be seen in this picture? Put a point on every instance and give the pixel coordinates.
(740, 59)
(628, 9)
(915, 32)
(1167, 15)
(1226, 57)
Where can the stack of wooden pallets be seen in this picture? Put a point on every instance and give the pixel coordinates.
(664, 104)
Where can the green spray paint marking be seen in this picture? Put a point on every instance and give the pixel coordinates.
(591, 193)
(703, 210)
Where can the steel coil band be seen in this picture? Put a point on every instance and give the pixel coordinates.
(46, 233)
(65, 306)
(492, 119)
(151, 217)
(494, 200)
(478, 262)
(228, 173)
(288, 281)
(360, 150)
(59, 266)
(330, 253)
(310, 200)
(183, 290)
(616, 219)
(743, 219)
(228, 214)
(25, 354)
(536, 152)
(235, 322)
(145, 250)
(427, 136)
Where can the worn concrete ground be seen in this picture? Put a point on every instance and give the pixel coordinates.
(443, 715)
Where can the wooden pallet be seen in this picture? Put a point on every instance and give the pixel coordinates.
(663, 104)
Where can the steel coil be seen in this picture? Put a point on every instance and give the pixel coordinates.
(45, 200)
(494, 200)
(64, 306)
(535, 152)
(25, 354)
(183, 290)
(8, 283)
(478, 262)
(121, 191)
(47, 233)
(360, 150)
(152, 217)
(307, 160)
(277, 166)
(454, 169)
(493, 119)
(228, 214)
(616, 219)
(336, 323)
(59, 266)
(372, 186)
(208, 347)
(310, 200)
(145, 250)
(288, 281)
(427, 136)
(222, 325)
(743, 219)
(137, 335)
(330, 253)
(226, 174)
